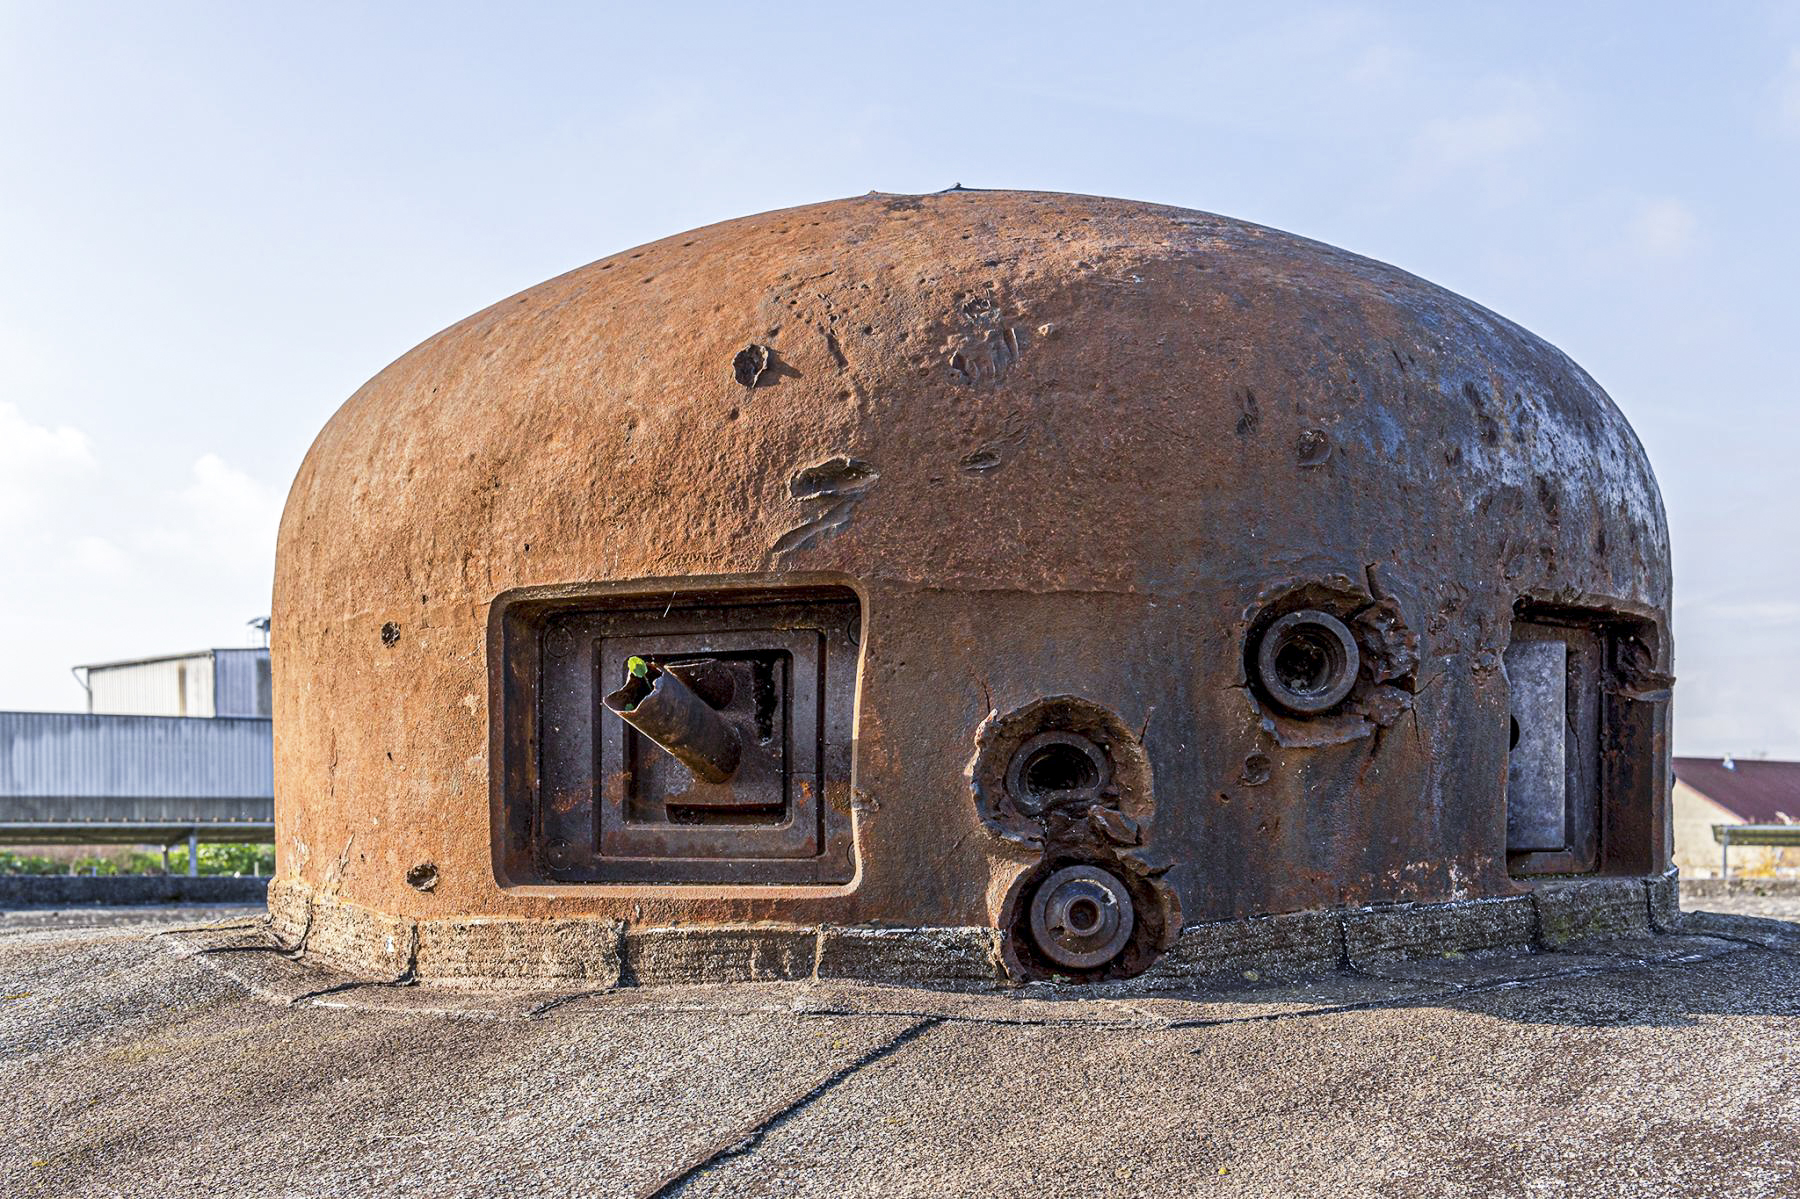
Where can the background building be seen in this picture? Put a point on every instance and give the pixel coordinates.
(214, 682)
(171, 748)
(1710, 791)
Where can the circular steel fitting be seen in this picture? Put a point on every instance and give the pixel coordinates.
(1306, 662)
(1054, 763)
(1081, 917)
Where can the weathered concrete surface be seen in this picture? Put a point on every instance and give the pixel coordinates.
(930, 957)
(373, 944)
(1268, 946)
(1429, 930)
(1718, 888)
(62, 890)
(203, 1063)
(119, 915)
(1762, 898)
(1586, 908)
(715, 955)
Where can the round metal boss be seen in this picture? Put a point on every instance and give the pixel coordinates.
(1307, 662)
(1081, 917)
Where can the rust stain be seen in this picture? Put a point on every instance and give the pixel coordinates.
(1047, 446)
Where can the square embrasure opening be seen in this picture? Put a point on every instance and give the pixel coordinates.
(1582, 755)
(703, 739)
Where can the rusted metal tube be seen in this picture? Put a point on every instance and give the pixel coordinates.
(659, 703)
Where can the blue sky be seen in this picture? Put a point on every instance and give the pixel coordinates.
(217, 220)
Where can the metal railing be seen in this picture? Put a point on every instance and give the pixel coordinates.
(1727, 835)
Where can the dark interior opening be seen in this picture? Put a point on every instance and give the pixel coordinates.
(1083, 917)
(1308, 661)
(1055, 768)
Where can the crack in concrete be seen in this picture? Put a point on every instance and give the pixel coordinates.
(231, 924)
(1792, 947)
(334, 989)
(1459, 990)
(406, 978)
(747, 1140)
(550, 1005)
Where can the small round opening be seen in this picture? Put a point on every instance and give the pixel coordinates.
(1083, 917)
(1514, 743)
(1308, 661)
(1058, 767)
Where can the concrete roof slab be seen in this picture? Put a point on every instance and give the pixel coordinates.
(132, 1063)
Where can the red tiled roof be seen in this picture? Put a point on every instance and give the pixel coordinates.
(1755, 791)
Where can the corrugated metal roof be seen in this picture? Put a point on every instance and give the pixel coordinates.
(1759, 792)
(199, 653)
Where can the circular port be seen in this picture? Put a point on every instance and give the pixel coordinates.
(1037, 769)
(1307, 661)
(1081, 917)
(1054, 764)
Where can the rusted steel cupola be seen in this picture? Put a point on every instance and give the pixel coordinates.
(983, 585)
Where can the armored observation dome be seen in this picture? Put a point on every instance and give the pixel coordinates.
(974, 586)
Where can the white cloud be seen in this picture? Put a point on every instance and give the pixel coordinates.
(1486, 138)
(37, 462)
(1664, 228)
(118, 560)
(222, 511)
(26, 363)
(97, 556)
(221, 495)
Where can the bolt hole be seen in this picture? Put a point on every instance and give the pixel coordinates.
(1059, 767)
(1308, 661)
(1514, 743)
(1083, 917)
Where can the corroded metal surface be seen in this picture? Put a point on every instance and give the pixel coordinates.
(1056, 446)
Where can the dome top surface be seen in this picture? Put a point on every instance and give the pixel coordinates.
(1064, 376)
